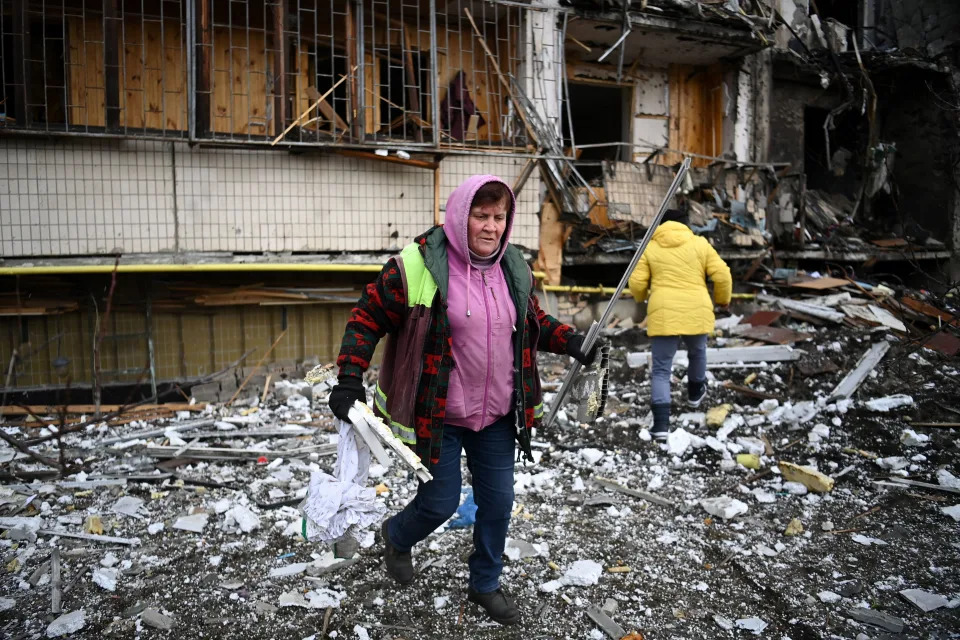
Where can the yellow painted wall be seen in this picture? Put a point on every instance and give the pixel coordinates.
(186, 345)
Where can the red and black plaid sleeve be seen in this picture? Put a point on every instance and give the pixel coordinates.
(553, 333)
(380, 310)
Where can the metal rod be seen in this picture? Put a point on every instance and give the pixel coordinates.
(434, 76)
(591, 337)
(615, 45)
(361, 82)
(566, 87)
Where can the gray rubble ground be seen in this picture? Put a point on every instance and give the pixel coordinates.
(227, 559)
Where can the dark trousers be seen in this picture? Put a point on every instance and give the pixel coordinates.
(490, 459)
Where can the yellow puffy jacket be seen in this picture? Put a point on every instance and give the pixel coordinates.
(674, 269)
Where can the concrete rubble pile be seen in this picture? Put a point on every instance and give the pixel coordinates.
(815, 494)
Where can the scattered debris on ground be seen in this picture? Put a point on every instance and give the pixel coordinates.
(815, 494)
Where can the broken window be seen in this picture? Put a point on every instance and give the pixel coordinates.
(599, 120)
(379, 72)
(31, 61)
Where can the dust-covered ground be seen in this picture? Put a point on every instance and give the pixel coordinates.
(669, 570)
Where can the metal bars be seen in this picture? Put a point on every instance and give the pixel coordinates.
(241, 72)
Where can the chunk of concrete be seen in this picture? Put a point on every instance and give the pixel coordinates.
(106, 579)
(244, 518)
(209, 392)
(67, 623)
(157, 620)
(194, 523)
(724, 507)
(924, 600)
(289, 570)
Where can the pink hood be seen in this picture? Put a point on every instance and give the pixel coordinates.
(458, 212)
(482, 319)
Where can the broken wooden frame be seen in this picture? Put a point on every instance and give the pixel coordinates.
(241, 72)
(375, 433)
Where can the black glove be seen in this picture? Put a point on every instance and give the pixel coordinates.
(348, 390)
(575, 350)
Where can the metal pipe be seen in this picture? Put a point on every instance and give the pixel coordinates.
(361, 95)
(609, 291)
(615, 45)
(434, 76)
(187, 268)
(199, 268)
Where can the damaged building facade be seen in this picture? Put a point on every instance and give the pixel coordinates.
(189, 185)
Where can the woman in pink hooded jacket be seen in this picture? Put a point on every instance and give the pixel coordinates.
(458, 374)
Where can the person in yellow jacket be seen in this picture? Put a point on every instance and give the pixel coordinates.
(673, 271)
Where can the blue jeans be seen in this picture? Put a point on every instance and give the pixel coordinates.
(490, 459)
(663, 349)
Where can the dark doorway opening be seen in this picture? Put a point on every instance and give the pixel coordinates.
(598, 114)
(843, 173)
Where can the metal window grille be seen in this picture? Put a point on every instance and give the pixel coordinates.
(431, 74)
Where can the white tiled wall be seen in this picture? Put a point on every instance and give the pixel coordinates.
(88, 197)
(243, 200)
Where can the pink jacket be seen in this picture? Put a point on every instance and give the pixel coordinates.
(482, 320)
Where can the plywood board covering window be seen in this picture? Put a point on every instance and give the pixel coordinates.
(152, 74)
(696, 112)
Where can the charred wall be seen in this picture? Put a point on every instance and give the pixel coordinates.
(914, 117)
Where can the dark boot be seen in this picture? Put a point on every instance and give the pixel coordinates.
(497, 604)
(399, 564)
(661, 421)
(696, 392)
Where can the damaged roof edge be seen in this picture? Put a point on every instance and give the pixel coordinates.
(702, 30)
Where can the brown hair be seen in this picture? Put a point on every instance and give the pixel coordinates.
(491, 193)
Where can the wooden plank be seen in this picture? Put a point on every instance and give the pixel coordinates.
(824, 313)
(752, 393)
(410, 162)
(226, 453)
(51, 409)
(239, 81)
(331, 115)
(821, 283)
(888, 243)
(85, 77)
(413, 95)
(154, 75)
(280, 114)
(763, 318)
(89, 536)
(851, 382)
(503, 81)
(354, 100)
(552, 237)
(132, 99)
(203, 59)
(928, 309)
(774, 335)
(598, 209)
(636, 493)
